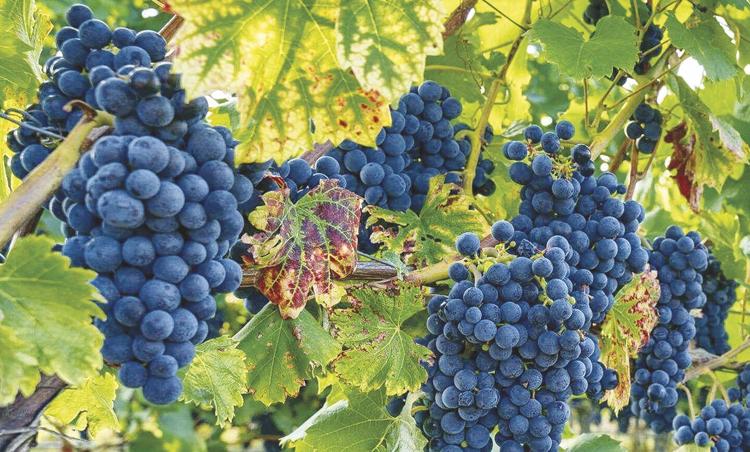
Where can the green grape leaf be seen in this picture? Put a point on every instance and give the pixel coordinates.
(24, 29)
(461, 66)
(39, 292)
(302, 246)
(592, 442)
(703, 38)
(613, 44)
(386, 45)
(627, 328)
(89, 406)
(217, 377)
(282, 354)
(377, 351)
(279, 57)
(717, 149)
(428, 237)
(18, 369)
(360, 423)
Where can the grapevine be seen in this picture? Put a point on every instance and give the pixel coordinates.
(410, 225)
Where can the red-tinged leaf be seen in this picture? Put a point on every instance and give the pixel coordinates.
(683, 163)
(626, 330)
(303, 246)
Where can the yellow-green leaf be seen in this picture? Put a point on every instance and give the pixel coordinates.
(386, 44)
(613, 44)
(88, 406)
(360, 423)
(49, 307)
(377, 351)
(217, 377)
(282, 354)
(279, 57)
(18, 369)
(429, 236)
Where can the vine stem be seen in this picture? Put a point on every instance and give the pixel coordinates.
(23, 202)
(717, 362)
(691, 405)
(476, 137)
(601, 140)
(458, 17)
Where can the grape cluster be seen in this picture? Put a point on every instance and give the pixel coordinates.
(644, 128)
(722, 427)
(679, 259)
(419, 144)
(154, 209)
(741, 392)
(711, 335)
(561, 196)
(88, 51)
(509, 348)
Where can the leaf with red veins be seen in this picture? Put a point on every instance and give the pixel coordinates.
(683, 162)
(303, 246)
(626, 330)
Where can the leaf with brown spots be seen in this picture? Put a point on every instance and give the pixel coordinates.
(280, 58)
(429, 237)
(377, 351)
(303, 246)
(283, 354)
(626, 330)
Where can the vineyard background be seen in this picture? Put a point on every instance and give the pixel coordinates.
(294, 78)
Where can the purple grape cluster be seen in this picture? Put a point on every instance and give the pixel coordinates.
(680, 260)
(721, 293)
(722, 427)
(510, 350)
(87, 50)
(153, 209)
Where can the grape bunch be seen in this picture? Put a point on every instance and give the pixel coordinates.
(561, 196)
(741, 392)
(711, 335)
(154, 209)
(88, 51)
(595, 10)
(510, 349)
(680, 260)
(722, 427)
(644, 128)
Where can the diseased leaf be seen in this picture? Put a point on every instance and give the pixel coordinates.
(377, 352)
(593, 442)
(279, 57)
(217, 377)
(627, 328)
(302, 246)
(683, 164)
(428, 237)
(282, 354)
(703, 38)
(718, 149)
(613, 44)
(89, 406)
(360, 423)
(386, 44)
(48, 306)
